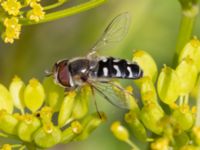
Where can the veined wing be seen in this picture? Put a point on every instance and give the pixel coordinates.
(114, 93)
(115, 32)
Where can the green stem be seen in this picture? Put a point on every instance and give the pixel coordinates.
(66, 12)
(197, 123)
(59, 3)
(132, 145)
(3, 135)
(17, 145)
(23, 147)
(185, 31)
(186, 99)
(186, 27)
(180, 100)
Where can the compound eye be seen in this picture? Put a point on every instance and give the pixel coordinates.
(63, 74)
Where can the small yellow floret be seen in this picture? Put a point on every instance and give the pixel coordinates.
(76, 127)
(48, 128)
(6, 147)
(160, 144)
(37, 13)
(195, 43)
(120, 131)
(12, 7)
(196, 132)
(13, 29)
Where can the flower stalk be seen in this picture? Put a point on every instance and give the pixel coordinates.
(197, 123)
(190, 10)
(66, 12)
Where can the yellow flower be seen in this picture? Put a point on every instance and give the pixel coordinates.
(13, 29)
(36, 13)
(30, 2)
(160, 144)
(6, 147)
(12, 7)
(120, 131)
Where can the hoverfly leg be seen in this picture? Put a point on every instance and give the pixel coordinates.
(92, 55)
(68, 89)
(95, 102)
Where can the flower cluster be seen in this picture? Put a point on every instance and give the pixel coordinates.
(169, 111)
(12, 12)
(43, 115)
(16, 13)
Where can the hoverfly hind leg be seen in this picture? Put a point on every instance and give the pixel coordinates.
(95, 102)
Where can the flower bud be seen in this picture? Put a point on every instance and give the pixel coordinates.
(5, 99)
(34, 95)
(146, 62)
(168, 85)
(47, 136)
(89, 124)
(191, 50)
(16, 89)
(189, 147)
(196, 134)
(71, 132)
(181, 139)
(183, 117)
(151, 115)
(131, 100)
(46, 114)
(148, 91)
(81, 103)
(136, 126)
(76, 127)
(54, 94)
(6, 147)
(66, 109)
(119, 131)
(187, 74)
(160, 144)
(27, 127)
(8, 123)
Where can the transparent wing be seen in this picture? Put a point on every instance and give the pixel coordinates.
(114, 93)
(115, 32)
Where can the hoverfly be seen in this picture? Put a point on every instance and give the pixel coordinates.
(98, 71)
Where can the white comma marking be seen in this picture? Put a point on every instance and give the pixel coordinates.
(105, 71)
(130, 72)
(104, 59)
(116, 60)
(118, 71)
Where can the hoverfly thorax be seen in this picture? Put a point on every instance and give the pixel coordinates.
(79, 68)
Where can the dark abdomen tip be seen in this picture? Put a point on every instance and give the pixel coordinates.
(118, 68)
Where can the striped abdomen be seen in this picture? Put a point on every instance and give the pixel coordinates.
(117, 68)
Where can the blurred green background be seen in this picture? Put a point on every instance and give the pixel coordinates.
(154, 28)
